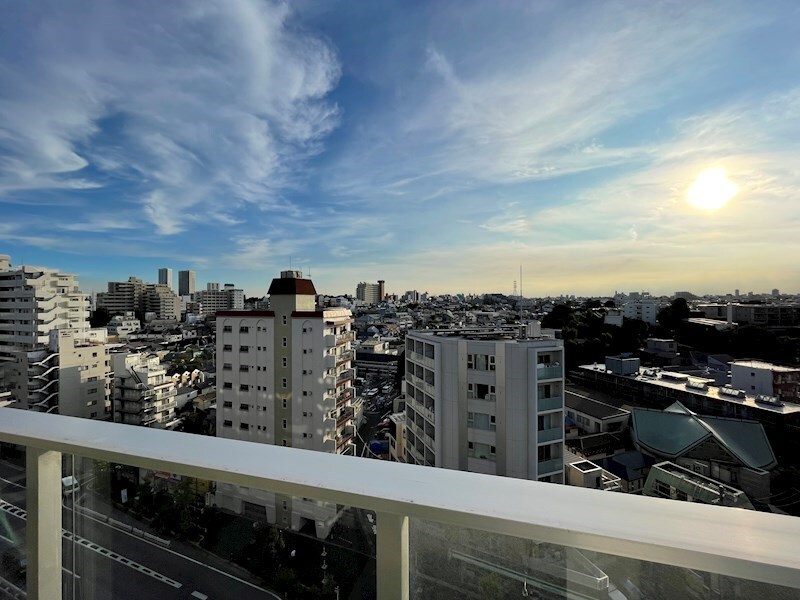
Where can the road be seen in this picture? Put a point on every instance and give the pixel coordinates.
(111, 563)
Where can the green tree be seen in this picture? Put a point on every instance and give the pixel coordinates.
(559, 317)
(670, 317)
(100, 317)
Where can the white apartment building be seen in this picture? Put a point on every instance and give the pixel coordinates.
(761, 378)
(48, 355)
(284, 377)
(143, 392)
(211, 301)
(122, 326)
(487, 401)
(136, 295)
(644, 310)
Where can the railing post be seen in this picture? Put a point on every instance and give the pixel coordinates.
(392, 557)
(43, 524)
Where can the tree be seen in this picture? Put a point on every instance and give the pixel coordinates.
(100, 317)
(670, 317)
(558, 317)
(610, 304)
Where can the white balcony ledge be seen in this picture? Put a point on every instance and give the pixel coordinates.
(728, 541)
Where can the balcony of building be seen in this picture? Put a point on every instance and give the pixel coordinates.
(546, 371)
(435, 530)
(550, 435)
(554, 403)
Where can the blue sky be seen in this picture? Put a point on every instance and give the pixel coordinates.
(438, 146)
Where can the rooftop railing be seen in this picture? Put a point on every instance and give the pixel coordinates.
(746, 544)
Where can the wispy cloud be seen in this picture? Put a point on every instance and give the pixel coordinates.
(196, 103)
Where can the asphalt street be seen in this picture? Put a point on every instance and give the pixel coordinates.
(113, 564)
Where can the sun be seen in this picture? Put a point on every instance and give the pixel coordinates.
(711, 190)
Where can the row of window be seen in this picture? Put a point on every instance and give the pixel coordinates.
(246, 329)
(481, 362)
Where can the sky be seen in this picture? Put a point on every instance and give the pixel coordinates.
(439, 146)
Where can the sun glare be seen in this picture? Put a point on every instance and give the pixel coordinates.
(711, 190)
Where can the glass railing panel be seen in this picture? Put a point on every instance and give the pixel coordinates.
(549, 373)
(550, 403)
(452, 563)
(549, 435)
(548, 466)
(166, 535)
(13, 522)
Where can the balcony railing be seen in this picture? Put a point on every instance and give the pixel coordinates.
(550, 435)
(728, 541)
(550, 372)
(550, 466)
(550, 403)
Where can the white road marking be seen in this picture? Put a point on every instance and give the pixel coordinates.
(18, 512)
(183, 556)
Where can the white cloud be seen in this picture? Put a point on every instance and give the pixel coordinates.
(192, 101)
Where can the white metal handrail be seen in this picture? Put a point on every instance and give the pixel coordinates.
(729, 541)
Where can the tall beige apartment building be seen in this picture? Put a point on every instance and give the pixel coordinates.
(284, 377)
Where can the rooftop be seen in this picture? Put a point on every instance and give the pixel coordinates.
(591, 407)
(654, 376)
(760, 364)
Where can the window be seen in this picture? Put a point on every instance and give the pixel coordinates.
(244, 348)
(227, 385)
(244, 368)
(284, 383)
(227, 423)
(92, 390)
(227, 329)
(283, 443)
(244, 329)
(227, 404)
(226, 367)
(284, 342)
(244, 387)
(492, 450)
(244, 407)
(94, 354)
(284, 319)
(470, 361)
(285, 403)
(227, 348)
(244, 426)
(305, 393)
(471, 445)
(285, 362)
(283, 423)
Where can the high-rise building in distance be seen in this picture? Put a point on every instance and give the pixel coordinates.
(185, 283)
(369, 293)
(165, 277)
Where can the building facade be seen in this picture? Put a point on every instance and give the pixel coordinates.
(761, 378)
(644, 310)
(135, 295)
(211, 301)
(165, 277)
(368, 293)
(143, 392)
(285, 377)
(49, 357)
(185, 283)
(487, 401)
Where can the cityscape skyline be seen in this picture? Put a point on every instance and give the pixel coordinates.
(380, 141)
